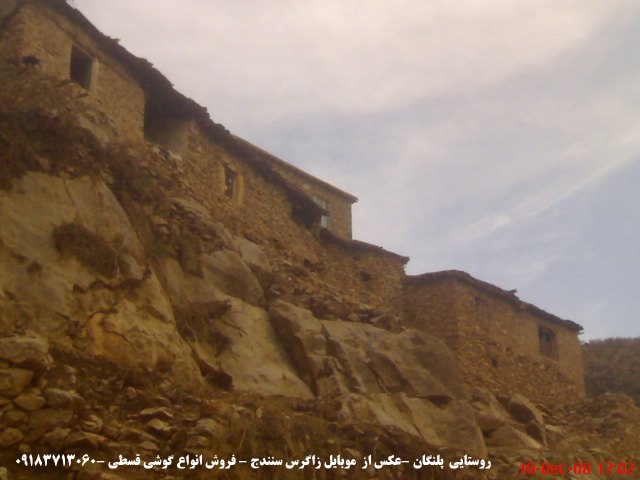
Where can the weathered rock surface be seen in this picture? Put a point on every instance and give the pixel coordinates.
(380, 376)
(10, 436)
(13, 381)
(252, 254)
(523, 410)
(104, 347)
(48, 419)
(489, 413)
(29, 401)
(252, 354)
(508, 436)
(127, 318)
(58, 398)
(226, 270)
(229, 336)
(28, 352)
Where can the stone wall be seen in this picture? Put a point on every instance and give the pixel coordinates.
(262, 213)
(338, 202)
(48, 37)
(497, 342)
(432, 309)
(338, 205)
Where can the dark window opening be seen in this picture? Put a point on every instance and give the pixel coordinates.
(365, 276)
(548, 343)
(31, 60)
(325, 219)
(81, 67)
(166, 128)
(230, 182)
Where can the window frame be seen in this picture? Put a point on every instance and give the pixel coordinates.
(231, 183)
(81, 67)
(547, 342)
(325, 219)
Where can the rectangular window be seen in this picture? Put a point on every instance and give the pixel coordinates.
(81, 67)
(325, 220)
(230, 182)
(548, 343)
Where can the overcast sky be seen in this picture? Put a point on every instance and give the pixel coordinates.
(499, 137)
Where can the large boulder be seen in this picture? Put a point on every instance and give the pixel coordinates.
(451, 427)
(56, 281)
(522, 410)
(233, 341)
(226, 270)
(509, 436)
(13, 381)
(201, 218)
(404, 379)
(489, 412)
(406, 361)
(243, 344)
(28, 352)
(252, 254)
(223, 273)
(303, 338)
(364, 358)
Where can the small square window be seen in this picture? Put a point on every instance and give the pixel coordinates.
(81, 67)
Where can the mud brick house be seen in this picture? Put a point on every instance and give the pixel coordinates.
(53, 59)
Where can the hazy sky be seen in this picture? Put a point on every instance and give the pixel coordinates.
(499, 137)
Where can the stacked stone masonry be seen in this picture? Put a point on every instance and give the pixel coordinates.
(48, 37)
(254, 195)
(497, 337)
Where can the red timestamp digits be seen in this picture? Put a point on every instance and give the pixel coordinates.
(621, 468)
(608, 468)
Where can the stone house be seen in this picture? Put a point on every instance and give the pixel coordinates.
(139, 102)
(501, 342)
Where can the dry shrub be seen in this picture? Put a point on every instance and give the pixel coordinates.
(15, 161)
(613, 365)
(129, 179)
(91, 250)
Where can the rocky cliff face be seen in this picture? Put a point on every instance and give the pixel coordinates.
(133, 323)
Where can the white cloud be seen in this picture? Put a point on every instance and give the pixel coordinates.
(288, 57)
(463, 126)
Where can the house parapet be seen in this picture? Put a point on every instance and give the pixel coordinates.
(495, 291)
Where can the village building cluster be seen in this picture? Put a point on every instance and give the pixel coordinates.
(501, 342)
